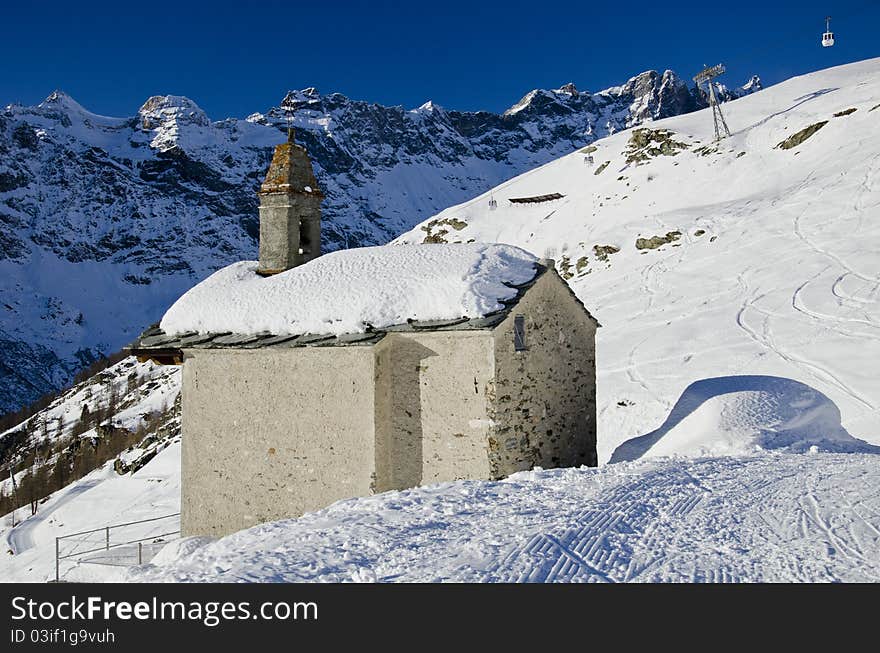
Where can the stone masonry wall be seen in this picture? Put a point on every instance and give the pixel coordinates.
(273, 433)
(435, 388)
(544, 407)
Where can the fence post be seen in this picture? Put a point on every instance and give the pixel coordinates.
(57, 561)
(108, 539)
(140, 553)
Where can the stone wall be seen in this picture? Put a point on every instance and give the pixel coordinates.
(273, 433)
(432, 418)
(288, 222)
(545, 397)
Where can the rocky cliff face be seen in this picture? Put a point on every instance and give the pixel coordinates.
(105, 221)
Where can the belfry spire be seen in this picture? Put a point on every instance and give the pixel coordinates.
(290, 209)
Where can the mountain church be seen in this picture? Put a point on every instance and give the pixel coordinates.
(308, 379)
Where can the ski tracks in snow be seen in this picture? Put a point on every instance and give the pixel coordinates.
(757, 522)
(767, 517)
(766, 338)
(595, 548)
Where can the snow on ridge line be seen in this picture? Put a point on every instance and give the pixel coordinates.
(347, 290)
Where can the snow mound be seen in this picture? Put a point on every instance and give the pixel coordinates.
(737, 414)
(350, 291)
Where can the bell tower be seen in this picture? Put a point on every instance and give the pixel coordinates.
(290, 210)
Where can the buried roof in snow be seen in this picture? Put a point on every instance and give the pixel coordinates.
(348, 297)
(536, 199)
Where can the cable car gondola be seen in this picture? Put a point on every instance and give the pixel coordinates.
(828, 36)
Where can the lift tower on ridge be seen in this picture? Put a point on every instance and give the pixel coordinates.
(707, 75)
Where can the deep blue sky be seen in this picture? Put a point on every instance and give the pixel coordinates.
(236, 58)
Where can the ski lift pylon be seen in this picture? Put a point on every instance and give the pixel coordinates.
(828, 36)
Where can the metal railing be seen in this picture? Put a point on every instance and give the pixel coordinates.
(96, 546)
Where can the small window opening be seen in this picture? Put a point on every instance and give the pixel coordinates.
(519, 333)
(305, 244)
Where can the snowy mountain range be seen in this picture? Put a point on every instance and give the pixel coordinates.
(105, 221)
(738, 290)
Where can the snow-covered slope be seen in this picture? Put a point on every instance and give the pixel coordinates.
(738, 289)
(98, 500)
(131, 408)
(721, 261)
(105, 221)
(126, 398)
(761, 518)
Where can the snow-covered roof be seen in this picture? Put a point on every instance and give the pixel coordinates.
(353, 291)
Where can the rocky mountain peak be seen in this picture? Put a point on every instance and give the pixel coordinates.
(753, 85)
(59, 106)
(531, 102)
(671, 79)
(429, 108)
(173, 121)
(300, 97)
(160, 110)
(58, 100)
(59, 97)
(642, 84)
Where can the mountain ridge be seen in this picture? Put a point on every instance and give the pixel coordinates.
(105, 221)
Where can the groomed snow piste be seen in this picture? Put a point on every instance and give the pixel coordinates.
(763, 518)
(349, 291)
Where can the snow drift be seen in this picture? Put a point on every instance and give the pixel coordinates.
(738, 414)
